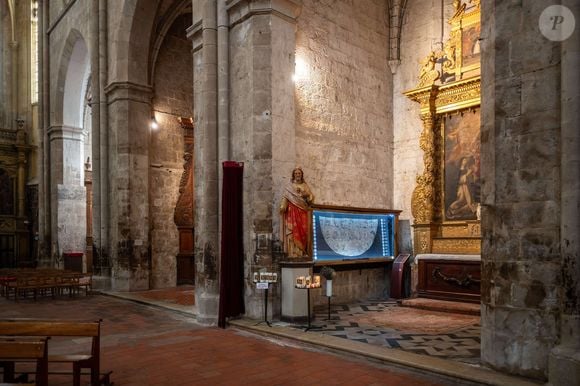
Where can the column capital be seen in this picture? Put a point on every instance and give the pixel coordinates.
(127, 90)
(65, 132)
(194, 33)
(240, 10)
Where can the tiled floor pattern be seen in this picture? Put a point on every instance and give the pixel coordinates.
(144, 345)
(456, 338)
(348, 322)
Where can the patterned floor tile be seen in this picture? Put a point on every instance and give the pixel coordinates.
(461, 344)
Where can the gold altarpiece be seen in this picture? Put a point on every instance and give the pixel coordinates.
(445, 201)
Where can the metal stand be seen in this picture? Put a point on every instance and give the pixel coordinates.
(328, 297)
(265, 308)
(310, 327)
(308, 302)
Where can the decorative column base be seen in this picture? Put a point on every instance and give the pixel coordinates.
(423, 237)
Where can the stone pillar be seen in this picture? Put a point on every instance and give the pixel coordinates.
(21, 174)
(564, 363)
(89, 217)
(521, 290)
(95, 104)
(23, 229)
(14, 88)
(206, 165)
(44, 191)
(67, 191)
(103, 226)
(130, 112)
(262, 46)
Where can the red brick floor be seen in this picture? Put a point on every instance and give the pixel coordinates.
(183, 295)
(149, 346)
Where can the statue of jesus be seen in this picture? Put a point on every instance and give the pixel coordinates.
(296, 201)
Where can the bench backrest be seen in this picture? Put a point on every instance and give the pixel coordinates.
(18, 349)
(49, 328)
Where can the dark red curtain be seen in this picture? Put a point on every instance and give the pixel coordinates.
(232, 248)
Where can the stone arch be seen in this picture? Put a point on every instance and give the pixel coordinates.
(73, 72)
(66, 139)
(11, 15)
(171, 75)
(130, 43)
(178, 8)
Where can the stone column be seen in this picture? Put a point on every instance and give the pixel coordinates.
(89, 217)
(44, 192)
(23, 233)
(67, 191)
(262, 46)
(95, 104)
(206, 165)
(130, 112)
(564, 363)
(521, 138)
(103, 225)
(21, 176)
(14, 87)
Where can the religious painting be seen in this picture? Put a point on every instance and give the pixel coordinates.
(470, 46)
(6, 194)
(462, 180)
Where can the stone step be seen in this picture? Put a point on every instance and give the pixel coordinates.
(442, 306)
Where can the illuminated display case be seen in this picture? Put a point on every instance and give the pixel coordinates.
(353, 234)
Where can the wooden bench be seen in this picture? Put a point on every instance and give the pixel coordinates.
(46, 328)
(22, 282)
(16, 350)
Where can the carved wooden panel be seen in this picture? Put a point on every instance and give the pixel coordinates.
(6, 193)
(450, 280)
(184, 210)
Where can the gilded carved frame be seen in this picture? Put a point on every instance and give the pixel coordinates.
(449, 83)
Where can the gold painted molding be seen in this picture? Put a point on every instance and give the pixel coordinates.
(468, 246)
(446, 84)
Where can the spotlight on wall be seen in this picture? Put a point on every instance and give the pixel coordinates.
(300, 70)
(154, 125)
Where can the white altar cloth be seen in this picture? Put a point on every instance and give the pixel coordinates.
(438, 256)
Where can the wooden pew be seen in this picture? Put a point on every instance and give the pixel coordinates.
(17, 350)
(22, 282)
(28, 327)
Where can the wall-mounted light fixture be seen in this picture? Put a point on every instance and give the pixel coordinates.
(154, 125)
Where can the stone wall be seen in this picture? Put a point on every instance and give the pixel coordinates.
(521, 151)
(420, 34)
(65, 162)
(173, 84)
(262, 108)
(71, 219)
(5, 66)
(344, 132)
(355, 285)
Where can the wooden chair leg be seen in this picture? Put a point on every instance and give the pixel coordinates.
(95, 377)
(8, 371)
(76, 374)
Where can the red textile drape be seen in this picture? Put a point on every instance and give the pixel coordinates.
(232, 249)
(297, 218)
